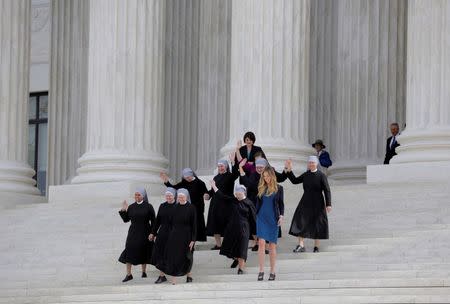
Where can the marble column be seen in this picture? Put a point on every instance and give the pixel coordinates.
(427, 135)
(125, 93)
(181, 84)
(214, 82)
(270, 77)
(15, 174)
(357, 80)
(68, 89)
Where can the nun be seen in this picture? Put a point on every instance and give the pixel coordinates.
(310, 218)
(138, 248)
(197, 189)
(160, 232)
(219, 210)
(178, 253)
(251, 182)
(241, 226)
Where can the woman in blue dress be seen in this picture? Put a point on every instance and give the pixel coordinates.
(269, 216)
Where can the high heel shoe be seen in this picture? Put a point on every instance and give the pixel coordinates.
(260, 276)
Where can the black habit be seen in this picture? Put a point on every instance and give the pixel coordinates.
(310, 218)
(219, 210)
(161, 230)
(197, 189)
(138, 249)
(241, 226)
(178, 256)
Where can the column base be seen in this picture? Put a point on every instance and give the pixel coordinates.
(425, 172)
(112, 193)
(278, 151)
(17, 177)
(416, 146)
(348, 172)
(106, 166)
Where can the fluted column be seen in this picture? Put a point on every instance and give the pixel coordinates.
(125, 92)
(358, 80)
(214, 82)
(427, 135)
(270, 77)
(68, 89)
(181, 83)
(15, 174)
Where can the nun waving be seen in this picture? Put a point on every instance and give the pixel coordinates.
(138, 248)
(197, 190)
(310, 218)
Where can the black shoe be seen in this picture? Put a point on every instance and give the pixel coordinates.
(240, 271)
(255, 248)
(215, 248)
(161, 279)
(272, 277)
(267, 251)
(299, 249)
(127, 278)
(234, 264)
(316, 249)
(260, 276)
(144, 274)
(189, 280)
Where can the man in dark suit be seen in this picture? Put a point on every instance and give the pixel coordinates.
(392, 143)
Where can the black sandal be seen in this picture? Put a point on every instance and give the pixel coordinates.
(260, 276)
(272, 277)
(240, 271)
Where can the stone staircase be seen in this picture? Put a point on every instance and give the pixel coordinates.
(388, 244)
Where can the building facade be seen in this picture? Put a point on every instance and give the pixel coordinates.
(112, 91)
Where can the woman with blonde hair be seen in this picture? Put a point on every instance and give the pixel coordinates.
(269, 216)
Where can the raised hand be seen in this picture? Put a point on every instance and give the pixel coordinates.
(231, 157)
(213, 185)
(124, 206)
(164, 177)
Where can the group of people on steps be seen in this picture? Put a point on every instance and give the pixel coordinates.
(251, 209)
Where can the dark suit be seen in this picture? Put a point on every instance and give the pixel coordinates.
(390, 150)
(251, 157)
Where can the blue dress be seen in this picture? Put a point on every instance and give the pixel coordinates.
(266, 223)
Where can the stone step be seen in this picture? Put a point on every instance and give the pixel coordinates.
(235, 290)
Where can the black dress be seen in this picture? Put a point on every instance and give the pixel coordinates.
(178, 256)
(197, 189)
(219, 210)
(138, 249)
(161, 230)
(310, 218)
(241, 226)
